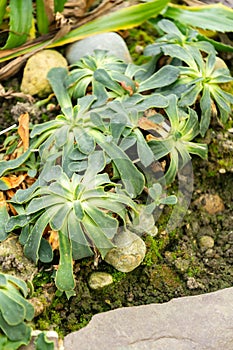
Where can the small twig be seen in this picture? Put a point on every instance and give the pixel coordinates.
(7, 129)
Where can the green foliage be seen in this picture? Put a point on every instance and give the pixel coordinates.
(85, 71)
(176, 138)
(212, 17)
(41, 17)
(117, 121)
(215, 17)
(20, 24)
(177, 41)
(76, 208)
(200, 77)
(14, 311)
(42, 343)
(4, 217)
(204, 80)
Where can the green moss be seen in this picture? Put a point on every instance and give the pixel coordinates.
(41, 278)
(118, 276)
(138, 38)
(162, 275)
(154, 247)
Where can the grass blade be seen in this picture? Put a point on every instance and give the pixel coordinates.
(211, 17)
(20, 23)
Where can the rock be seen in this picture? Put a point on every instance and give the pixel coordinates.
(13, 260)
(99, 280)
(129, 252)
(192, 283)
(212, 203)
(209, 253)
(34, 80)
(206, 242)
(106, 41)
(200, 322)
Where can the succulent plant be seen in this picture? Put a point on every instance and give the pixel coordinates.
(14, 311)
(174, 138)
(84, 211)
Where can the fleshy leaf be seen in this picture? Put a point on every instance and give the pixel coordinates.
(64, 277)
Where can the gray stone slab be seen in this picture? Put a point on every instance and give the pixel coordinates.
(203, 322)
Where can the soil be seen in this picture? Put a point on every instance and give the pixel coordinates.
(178, 263)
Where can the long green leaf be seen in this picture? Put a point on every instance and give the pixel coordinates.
(2, 9)
(56, 77)
(41, 17)
(131, 177)
(4, 216)
(21, 285)
(107, 223)
(45, 252)
(219, 46)
(97, 236)
(59, 5)
(163, 77)
(122, 19)
(80, 246)
(212, 17)
(20, 22)
(31, 248)
(7, 344)
(64, 276)
(45, 202)
(58, 220)
(16, 298)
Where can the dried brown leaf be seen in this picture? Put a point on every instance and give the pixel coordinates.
(23, 130)
(13, 181)
(2, 198)
(49, 9)
(53, 239)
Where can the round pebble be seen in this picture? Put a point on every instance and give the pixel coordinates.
(206, 242)
(99, 280)
(34, 80)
